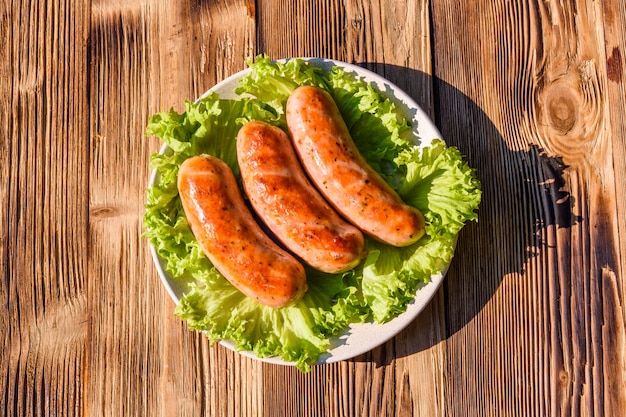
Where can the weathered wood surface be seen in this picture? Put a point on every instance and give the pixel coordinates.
(531, 318)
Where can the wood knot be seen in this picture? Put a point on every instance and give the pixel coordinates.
(357, 23)
(564, 378)
(115, 212)
(569, 112)
(562, 112)
(562, 108)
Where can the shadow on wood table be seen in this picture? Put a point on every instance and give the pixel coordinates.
(525, 201)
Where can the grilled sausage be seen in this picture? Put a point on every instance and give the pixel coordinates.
(231, 238)
(342, 175)
(289, 204)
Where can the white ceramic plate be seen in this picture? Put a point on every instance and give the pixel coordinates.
(358, 338)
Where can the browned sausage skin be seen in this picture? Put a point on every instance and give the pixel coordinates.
(334, 164)
(231, 238)
(289, 204)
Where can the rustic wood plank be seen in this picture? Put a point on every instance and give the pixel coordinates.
(358, 32)
(613, 283)
(147, 57)
(43, 131)
(290, 29)
(394, 40)
(546, 248)
(122, 346)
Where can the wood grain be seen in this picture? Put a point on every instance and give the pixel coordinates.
(541, 144)
(142, 360)
(613, 282)
(531, 318)
(43, 133)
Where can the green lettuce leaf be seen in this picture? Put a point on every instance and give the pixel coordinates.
(272, 83)
(445, 189)
(435, 179)
(298, 333)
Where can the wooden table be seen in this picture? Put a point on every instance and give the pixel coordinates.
(531, 318)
